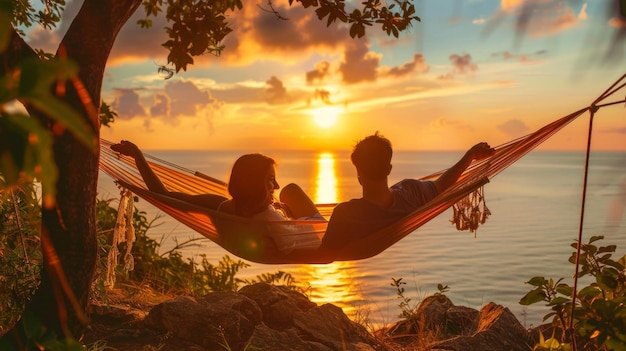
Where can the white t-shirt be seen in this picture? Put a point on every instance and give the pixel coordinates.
(288, 237)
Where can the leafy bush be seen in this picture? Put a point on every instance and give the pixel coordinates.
(20, 254)
(599, 317)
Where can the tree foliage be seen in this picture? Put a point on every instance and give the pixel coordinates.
(199, 27)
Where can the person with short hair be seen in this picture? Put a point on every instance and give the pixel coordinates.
(381, 205)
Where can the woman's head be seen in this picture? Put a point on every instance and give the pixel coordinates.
(252, 183)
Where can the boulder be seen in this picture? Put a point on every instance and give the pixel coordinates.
(220, 319)
(259, 316)
(439, 325)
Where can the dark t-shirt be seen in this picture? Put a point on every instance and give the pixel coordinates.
(358, 218)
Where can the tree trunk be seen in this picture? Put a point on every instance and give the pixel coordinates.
(70, 225)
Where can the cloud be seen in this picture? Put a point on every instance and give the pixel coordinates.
(513, 128)
(276, 93)
(133, 43)
(49, 40)
(461, 64)
(525, 58)
(40, 38)
(161, 106)
(136, 44)
(359, 64)
(318, 74)
(615, 130)
(186, 99)
(126, 103)
(323, 95)
(259, 34)
(417, 65)
(302, 29)
(178, 99)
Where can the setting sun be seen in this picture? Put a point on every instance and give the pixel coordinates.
(327, 116)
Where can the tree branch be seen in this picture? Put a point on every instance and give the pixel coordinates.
(17, 51)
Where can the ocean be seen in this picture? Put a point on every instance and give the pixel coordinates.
(535, 206)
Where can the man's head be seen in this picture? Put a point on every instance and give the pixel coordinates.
(372, 157)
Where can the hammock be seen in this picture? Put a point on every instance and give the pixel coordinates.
(298, 241)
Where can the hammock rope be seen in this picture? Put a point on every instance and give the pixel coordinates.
(298, 241)
(593, 108)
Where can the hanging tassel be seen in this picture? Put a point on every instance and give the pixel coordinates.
(471, 211)
(120, 227)
(124, 231)
(129, 260)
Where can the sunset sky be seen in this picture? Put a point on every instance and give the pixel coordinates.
(463, 74)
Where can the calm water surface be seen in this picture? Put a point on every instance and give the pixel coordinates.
(535, 205)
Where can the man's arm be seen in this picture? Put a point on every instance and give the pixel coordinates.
(449, 177)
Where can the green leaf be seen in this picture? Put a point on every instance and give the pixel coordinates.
(609, 248)
(537, 281)
(547, 316)
(533, 296)
(145, 23)
(607, 280)
(564, 289)
(596, 238)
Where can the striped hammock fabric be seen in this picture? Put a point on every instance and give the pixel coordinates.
(298, 241)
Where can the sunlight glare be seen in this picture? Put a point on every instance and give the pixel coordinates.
(326, 116)
(326, 182)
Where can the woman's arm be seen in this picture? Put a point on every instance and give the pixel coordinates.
(153, 182)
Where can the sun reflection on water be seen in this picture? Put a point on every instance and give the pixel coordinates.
(330, 283)
(326, 181)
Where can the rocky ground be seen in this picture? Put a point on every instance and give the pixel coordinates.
(273, 318)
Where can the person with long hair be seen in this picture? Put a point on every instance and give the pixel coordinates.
(251, 186)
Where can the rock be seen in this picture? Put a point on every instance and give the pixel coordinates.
(279, 304)
(210, 322)
(435, 318)
(268, 339)
(274, 318)
(260, 315)
(439, 325)
(328, 325)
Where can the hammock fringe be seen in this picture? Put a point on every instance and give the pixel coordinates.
(471, 211)
(124, 232)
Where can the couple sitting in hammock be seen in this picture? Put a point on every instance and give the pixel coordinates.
(253, 182)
